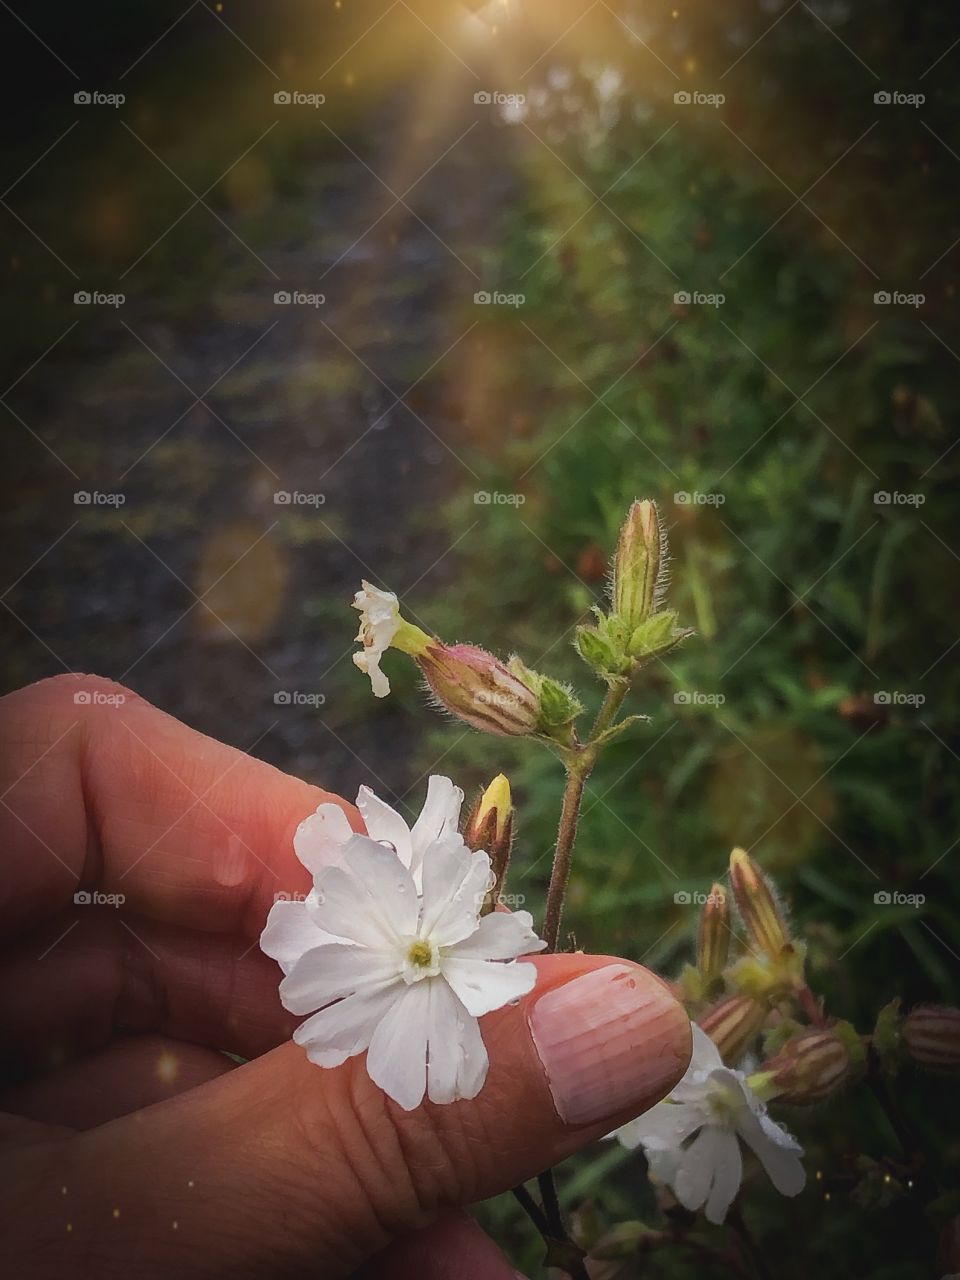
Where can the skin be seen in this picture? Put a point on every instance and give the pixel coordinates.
(131, 1144)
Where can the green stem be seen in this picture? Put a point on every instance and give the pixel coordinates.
(738, 1224)
(578, 771)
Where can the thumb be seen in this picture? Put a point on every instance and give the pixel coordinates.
(281, 1167)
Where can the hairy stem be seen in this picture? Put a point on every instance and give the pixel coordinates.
(578, 771)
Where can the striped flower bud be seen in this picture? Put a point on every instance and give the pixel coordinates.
(478, 688)
(931, 1036)
(758, 907)
(490, 827)
(713, 935)
(732, 1024)
(814, 1064)
(640, 564)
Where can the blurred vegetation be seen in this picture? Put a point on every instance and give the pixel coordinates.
(795, 402)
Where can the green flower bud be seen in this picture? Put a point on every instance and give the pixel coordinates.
(640, 564)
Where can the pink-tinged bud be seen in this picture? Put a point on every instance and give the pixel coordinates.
(757, 904)
(732, 1024)
(478, 688)
(713, 935)
(489, 827)
(639, 567)
(814, 1064)
(931, 1036)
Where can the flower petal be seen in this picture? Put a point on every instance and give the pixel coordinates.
(289, 932)
(329, 972)
(663, 1128)
(344, 1029)
(439, 815)
(385, 824)
(776, 1149)
(455, 881)
(485, 985)
(727, 1170)
(502, 935)
(319, 839)
(397, 1057)
(456, 1057)
(371, 899)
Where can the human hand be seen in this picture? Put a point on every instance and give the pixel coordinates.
(132, 1143)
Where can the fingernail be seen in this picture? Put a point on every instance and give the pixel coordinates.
(609, 1040)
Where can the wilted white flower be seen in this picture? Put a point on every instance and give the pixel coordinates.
(400, 971)
(379, 623)
(692, 1139)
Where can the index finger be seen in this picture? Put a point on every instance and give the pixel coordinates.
(106, 792)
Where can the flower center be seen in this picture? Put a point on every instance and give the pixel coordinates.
(420, 953)
(420, 960)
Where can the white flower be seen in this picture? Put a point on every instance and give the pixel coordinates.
(379, 623)
(409, 973)
(692, 1139)
(319, 843)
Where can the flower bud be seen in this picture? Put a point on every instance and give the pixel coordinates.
(657, 636)
(732, 1023)
(758, 907)
(931, 1036)
(478, 688)
(814, 1064)
(490, 827)
(639, 567)
(713, 935)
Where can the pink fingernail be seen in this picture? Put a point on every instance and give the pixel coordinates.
(609, 1040)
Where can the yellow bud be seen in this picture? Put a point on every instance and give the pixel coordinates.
(758, 907)
(490, 827)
